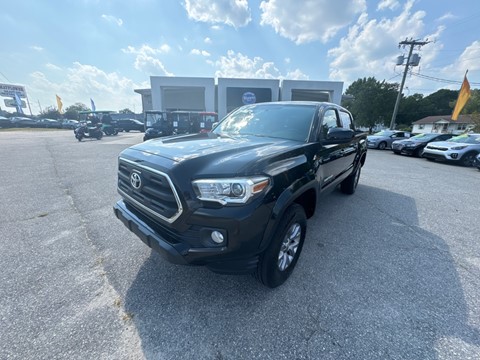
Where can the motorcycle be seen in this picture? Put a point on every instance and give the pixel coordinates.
(88, 131)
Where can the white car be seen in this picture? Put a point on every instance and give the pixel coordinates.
(461, 149)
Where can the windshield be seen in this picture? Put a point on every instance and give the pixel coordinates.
(422, 137)
(466, 139)
(283, 121)
(154, 119)
(384, 133)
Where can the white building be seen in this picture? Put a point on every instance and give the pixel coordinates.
(226, 94)
(443, 124)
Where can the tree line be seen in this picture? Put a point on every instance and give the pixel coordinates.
(371, 102)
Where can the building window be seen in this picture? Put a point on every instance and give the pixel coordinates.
(461, 126)
(421, 126)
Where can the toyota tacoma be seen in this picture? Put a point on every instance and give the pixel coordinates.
(237, 199)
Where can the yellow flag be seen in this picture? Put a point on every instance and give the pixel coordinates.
(463, 96)
(59, 104)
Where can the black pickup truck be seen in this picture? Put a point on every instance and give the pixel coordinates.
(237, 199)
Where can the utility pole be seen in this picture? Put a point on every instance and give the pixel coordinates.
(412, 44)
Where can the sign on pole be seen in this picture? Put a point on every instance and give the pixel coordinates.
(9, 90)
(13, 103)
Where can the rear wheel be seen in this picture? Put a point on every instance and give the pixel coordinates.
(382, 145)
(279, 259)
(349, 185)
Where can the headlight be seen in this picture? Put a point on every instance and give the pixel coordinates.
(458, 147)
(230, 191)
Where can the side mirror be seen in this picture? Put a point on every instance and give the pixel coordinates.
(339, 135)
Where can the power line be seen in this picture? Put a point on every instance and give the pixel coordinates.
(446, 81)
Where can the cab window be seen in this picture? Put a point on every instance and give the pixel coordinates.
(330, 120)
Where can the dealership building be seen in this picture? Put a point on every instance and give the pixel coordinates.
(223, 95)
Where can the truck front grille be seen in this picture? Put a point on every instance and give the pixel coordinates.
(148, 189)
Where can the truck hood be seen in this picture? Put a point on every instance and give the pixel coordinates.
(205, 153)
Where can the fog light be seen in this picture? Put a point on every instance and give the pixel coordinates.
(217, 237)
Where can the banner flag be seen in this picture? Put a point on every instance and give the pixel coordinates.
(59, 104)
(93, 105)
(463, 96)
(19, 103)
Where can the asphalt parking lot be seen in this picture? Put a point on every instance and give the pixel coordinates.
(392, 272)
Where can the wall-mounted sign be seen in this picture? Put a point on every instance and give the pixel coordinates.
(249, 98)
(9, 90)
(13, 103)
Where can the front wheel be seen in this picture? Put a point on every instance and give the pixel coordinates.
(382, 145)
(279, 259)
(468, 159)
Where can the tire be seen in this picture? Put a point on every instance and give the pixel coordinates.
(418, 152)
(430, 159)
(382, 145)
(126, 130)
(99, 136)
(349, 185)
(468, 159)
(279, 259)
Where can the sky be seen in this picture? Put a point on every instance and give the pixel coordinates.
(104, 49)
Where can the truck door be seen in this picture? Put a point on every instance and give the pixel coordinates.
(327, 158)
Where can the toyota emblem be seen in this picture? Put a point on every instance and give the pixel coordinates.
(135, 180)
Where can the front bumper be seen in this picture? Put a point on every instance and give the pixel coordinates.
(441, 155)
(190, 246)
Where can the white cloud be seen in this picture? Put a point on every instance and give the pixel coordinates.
(447, 16)
(235, 13)
(112, 19)
(237, 65)
(207, 40)
(468, 60)
(82, 82)
(388, 4)
(52, 67)
(200, 52)
(146, 61)
(296, 75)
(370, 47)
(313, 20)
(36, 48)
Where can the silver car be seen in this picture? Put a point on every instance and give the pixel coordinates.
(461, 149)
(383, 139)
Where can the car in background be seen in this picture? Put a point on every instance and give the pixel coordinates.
(49, 124)
(69, 124)
(19, 121)
(477, 161)
(461, 149)
(130, 124)
(414, 146)
(384, 139)
(5, 122)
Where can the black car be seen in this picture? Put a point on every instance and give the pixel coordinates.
(130, 124)
(414, 146)
(5, 122)
(477, 161)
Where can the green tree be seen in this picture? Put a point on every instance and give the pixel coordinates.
(72, 111)
(50, 112)
(371, 102)
(473, 104)
(126, 111)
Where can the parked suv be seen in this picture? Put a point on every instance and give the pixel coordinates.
(130, 124)
(415, 145)
(461, 149)
(383, 139)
